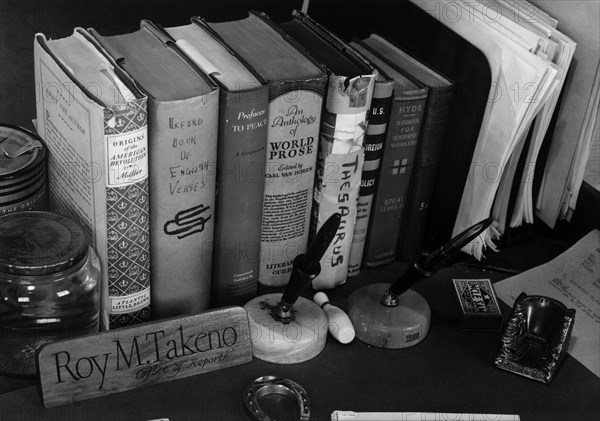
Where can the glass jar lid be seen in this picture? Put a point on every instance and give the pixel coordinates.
(21, 151)
(40, 243)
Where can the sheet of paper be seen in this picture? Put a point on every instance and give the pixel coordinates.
(506, 117)
(524, 210)
(574, 279)
(579, 19)
(582, 152)
(592, 169)
(503, 195)
(553, 51)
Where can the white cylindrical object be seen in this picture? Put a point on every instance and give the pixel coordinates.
(340, 326)
(417, 416)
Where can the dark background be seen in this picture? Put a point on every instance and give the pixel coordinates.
(451, 371)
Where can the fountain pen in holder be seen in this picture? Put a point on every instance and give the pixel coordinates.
(395, 316)
(286, 328)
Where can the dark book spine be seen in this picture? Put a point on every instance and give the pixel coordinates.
(241, 182)
(403, 134)
(373, 146)
(425, 172)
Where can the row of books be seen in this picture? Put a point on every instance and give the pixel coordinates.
(212, 151)
(203, 157)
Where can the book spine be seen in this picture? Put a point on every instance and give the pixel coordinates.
(425, 172)
(403, 135)
(241, 183)
(373, 146)
(339, 169)
(292, 139)
(127, 218)
(183, 155)
(98, 175)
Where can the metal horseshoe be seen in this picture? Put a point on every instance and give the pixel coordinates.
(271, 385)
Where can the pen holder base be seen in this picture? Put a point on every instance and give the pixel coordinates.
(274, 341)
(401, 326)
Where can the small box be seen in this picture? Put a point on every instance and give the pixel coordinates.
(478, 305)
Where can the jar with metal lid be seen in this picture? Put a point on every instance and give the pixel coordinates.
(49, 286)
(23, 179)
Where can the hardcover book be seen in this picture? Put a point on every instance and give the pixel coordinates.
(94, 122)
(241, 155)
(429, 150)
(183, 114)
(397, 162)
(467, 66)
(343, 127)
(379, 115)
(296, 88)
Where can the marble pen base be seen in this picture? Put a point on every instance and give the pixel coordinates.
(401, 326)
(301, 339)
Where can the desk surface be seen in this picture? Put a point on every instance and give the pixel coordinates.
(450, 371)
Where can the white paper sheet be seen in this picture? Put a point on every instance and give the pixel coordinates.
(523, 209)
(579, 19)
(582, 153)
(574, 279)
(592, 169)
(520, 86)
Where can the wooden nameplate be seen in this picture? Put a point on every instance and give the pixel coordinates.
(123, 359)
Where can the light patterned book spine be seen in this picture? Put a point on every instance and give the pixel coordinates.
(292, 140)
(340, 163)
(128, 239)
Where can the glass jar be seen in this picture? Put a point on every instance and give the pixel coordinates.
(49, 286)
(23, 179)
